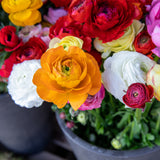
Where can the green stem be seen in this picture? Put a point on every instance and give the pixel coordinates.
(138, 114)
(147, 108)
(158, 123)
(111, 99)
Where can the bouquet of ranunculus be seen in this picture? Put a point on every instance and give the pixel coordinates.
(96, 60)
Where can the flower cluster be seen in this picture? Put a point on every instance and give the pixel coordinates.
(97, 61)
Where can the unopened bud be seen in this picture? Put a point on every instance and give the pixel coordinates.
(116, 144)
(62, 115)
(81, 118)
(73, 113)
(70, 124)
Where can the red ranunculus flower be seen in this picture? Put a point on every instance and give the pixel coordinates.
(80, 10)
(9, 39)
(137, 95)
(33, 49)
(7, 67)
(65, 26)
(97, 56)
(61, 3)
(143, 43)
(142, 4)
(109, 19)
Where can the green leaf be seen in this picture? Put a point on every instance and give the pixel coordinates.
(150, 136)
(124, 120)
(3, 55)
(157, 141)
(145, 128)
(135, 129)
(101, 130)
(3, 87)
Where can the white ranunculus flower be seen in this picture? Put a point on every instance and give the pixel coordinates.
(20, 85)
(123, 69)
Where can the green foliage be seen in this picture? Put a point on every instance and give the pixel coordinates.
(3, 87)
(115, 127)
(4, 21)
(3, 55)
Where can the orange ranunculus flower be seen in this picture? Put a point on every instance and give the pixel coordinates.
(67, 76)
(26, 17)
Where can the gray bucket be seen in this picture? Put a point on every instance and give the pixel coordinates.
(86, 151)
(23, 130)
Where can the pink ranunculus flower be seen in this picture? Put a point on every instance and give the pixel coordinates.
(54, 14)
(35, 31)
(93, 102)
(44, 35)
(153, 24)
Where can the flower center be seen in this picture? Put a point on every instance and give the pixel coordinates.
(144, 39)
(107, 12)
(9, 37)
(135, 94)
(66, 67)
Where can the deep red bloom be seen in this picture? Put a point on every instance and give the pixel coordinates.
(33, 49)
(9, 39)
(137, 95)
(80, 10)
(65, 26)
(143, 43)
(97, 56)
(109, 19)
(7, 67)
(61, 3)
(142, 4)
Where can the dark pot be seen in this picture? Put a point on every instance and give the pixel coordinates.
(86, 151)
(23, 130)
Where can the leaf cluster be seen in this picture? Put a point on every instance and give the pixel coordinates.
(113, 126)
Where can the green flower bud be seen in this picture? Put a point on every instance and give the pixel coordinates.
(92, 137)
(116, 143)
(81, 118)
(73, 113)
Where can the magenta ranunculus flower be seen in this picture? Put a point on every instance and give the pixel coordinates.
(153, 24)
(137, 95)
(93, 102)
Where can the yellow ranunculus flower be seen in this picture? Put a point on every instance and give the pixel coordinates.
(153, 79)
(123, 43)
(36, 4)
(66, 42)
(26, 17)
(11, 6)
(23, 13)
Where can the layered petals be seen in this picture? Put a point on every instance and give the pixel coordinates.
(67, 76)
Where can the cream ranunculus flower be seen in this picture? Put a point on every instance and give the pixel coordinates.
(66, 42)
(153, 79)
(123, 43)
(123, 69)
(20, 85)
